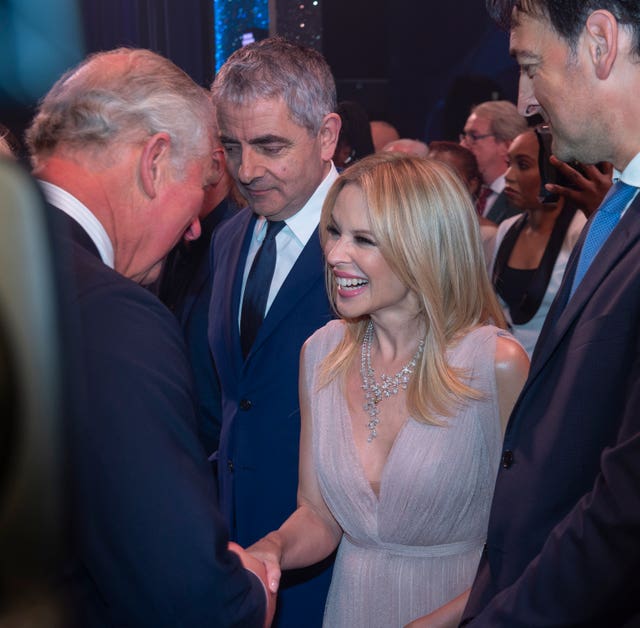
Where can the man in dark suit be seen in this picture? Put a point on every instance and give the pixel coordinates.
(121, 146)
(185, 288)
(563, 542)
(488, 133)
(276, 103)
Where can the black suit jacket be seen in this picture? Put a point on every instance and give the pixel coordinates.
(185, 288)
(150, 545)
(563, 545)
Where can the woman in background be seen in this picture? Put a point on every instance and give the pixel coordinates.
(354, 140)
(403, 400)
(532, 249)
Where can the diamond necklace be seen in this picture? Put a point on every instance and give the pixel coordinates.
(374, 392)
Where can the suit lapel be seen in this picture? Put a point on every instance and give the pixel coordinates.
(564, 310)
(307, 270)
(231, 253)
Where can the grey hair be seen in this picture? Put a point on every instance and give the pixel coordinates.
(277, 68)
(123, 95)
(506, 122)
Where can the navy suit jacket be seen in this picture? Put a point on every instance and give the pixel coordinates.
(149, 542)
(259, 442)
(563, 545)
(501, 209)
(185, 288)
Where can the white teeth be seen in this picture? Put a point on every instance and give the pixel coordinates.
(345, 282)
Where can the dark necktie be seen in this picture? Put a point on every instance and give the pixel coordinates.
(483, 197)
(603, 224)
(256, 290)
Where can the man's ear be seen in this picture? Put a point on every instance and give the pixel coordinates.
(602, 38)
(218, 165)
(154, 157)
(329, 131)
(503, 149)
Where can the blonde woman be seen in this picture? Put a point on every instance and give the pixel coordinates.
(403, 400)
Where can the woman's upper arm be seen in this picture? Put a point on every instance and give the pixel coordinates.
(309, 493)
(512, 368)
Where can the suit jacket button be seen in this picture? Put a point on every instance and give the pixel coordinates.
(507, 458)
(245, 404)
(230, 465)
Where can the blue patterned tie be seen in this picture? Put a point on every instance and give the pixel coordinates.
(256, 290)
(603, 224)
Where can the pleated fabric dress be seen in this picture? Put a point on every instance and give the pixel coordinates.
(417, 545)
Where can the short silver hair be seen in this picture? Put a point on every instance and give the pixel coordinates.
(506, 122)
(277, 68)
(123, 95)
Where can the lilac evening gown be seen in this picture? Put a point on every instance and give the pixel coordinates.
(417, 546)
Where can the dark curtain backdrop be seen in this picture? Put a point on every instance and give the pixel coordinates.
(181, 30)
(417, 64)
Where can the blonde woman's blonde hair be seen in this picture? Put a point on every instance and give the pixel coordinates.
(424, 222)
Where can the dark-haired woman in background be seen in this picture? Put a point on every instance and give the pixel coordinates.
(354, 141)
(532, 248)
(464, 162)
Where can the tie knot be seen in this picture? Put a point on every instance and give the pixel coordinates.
(618, 197)
(273, 228)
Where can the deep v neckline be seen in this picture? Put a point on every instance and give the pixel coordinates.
(348, 422)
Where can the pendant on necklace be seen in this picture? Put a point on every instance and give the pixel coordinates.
(374, 392)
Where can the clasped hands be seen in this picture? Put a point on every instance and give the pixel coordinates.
(263, 560)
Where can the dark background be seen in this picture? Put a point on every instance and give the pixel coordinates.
(418, 64)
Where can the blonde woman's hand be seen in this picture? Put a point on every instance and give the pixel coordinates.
(258, 568)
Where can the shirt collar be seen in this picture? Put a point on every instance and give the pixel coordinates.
(304, 222)
(631, 174)
(71, 206)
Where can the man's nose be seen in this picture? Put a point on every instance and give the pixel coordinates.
(528, 105)
(250, 166)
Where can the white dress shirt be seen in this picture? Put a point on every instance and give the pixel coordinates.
(631, 176)
(290, 241)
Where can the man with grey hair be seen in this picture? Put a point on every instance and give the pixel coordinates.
(488, 133)
(276, 104)
(122, 148)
